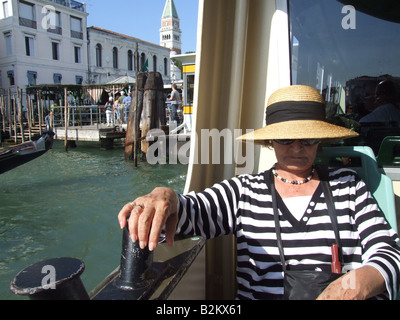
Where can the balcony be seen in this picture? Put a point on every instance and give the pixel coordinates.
(27, 23)
(71, 4)
(76, 34)
(55, 30)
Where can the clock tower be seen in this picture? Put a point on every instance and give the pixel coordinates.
(170, 32)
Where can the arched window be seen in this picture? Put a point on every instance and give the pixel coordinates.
(130, 60)
(99, 61)
(115, 58)
(142, 61)
(165, 66)
(154, 63)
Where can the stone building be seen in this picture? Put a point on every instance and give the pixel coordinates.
(42, 42)
(111, 56)
(48, 42)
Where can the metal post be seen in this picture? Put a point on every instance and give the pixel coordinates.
(136, 264)
(53, 279)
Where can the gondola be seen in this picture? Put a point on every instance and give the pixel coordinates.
(20, 154)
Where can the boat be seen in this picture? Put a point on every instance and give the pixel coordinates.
(17, 155)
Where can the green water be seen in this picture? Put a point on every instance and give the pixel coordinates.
(65, 204)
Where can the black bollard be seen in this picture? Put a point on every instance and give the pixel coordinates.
(136, 265)
(53, 279)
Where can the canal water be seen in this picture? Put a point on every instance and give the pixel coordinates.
(65, 204)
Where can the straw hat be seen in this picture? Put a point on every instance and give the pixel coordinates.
(297, 112)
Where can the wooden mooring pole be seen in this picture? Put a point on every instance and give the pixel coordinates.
(15, 120)
(149, 109)
(20, 116)
(66, 117)
(153, 115)
(132, 141)
(136, 112)
(28, 113)
(9, 113)
(3, 113)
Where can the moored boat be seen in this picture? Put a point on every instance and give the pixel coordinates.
(22, 153)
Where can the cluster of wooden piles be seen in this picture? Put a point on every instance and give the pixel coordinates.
(21, 120)
(147, 112)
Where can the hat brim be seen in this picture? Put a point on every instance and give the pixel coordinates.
(299, 129)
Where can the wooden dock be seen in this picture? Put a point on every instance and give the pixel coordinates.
(96, 133)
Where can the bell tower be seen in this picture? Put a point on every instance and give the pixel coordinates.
(170, 32)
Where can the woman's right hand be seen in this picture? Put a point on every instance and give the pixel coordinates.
(148, 215)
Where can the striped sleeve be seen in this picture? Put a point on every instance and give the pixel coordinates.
(379, 242)
(210, 213)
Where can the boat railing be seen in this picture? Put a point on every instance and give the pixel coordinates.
(141, 275)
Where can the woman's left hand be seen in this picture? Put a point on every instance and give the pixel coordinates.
(359, 284)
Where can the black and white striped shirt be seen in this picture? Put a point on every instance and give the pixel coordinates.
(243, 206)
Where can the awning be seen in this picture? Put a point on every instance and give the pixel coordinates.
(123, 80)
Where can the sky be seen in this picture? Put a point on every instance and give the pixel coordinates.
(142, 18)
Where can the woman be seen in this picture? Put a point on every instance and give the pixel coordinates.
(288, 199)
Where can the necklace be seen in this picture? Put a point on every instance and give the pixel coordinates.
(293, 181)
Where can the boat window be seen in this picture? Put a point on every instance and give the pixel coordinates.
(345, 50)
(190, 89)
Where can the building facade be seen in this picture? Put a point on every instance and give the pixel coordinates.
(42, 42)
(48, 42)
(111, 56)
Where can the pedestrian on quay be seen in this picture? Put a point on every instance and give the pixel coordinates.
(117, 113)
(174, 98)
(109, 106)
(127, 103)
